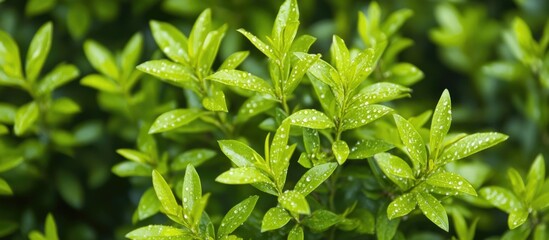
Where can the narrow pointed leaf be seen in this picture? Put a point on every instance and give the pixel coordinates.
(275, 218)
(164, 194)
(198, 212)
(215, 101)
(157, 232)
(402, 205)
(101, 58)
(60, 75)
(535, 178)
(413, 143)
(174, 119)
(469, 145)
(241, 79)
(131, 54)
(314, 177)
(320, 70)
(382, 92)
(433, 210)
(239, 153)
(134, 155)
(7, 163)
(278, 161)
(50, 229)
(501, 198)
(253, 106)
(39, 49)
(340, 55)
(310, 118)
(295, 202)
(5, 189)
(100, 83)
(171, 41)
(199, 32)
(194, 157)
(148, 204)
(368, 148)
(288, 13)
(517, 218)
(341, 151)
(10, 62)
(243, 175)
(395, 169)
(442, 118)
(449, 183)
(260, 45)
(360, 115)
(25, 117)
(192, 190)
(173, 73)
(516, 182)
(234, 60)
(300, 68)
(131, 169)
(209, 49)
(236, 216)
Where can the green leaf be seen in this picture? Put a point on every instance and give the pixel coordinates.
(10, 62)
(174, 119)
(294, 201)
(39, 49)
(260, 45)
(469, 145)
(296, 233)
(7, 163)
(70, 188)
(385, 227)
(278, 157)
(134, 155)
(340, 55)
(381, 92)
(302, 44)
(516, 182)
(7, 113)
(100, 83)
(65, 106)
(131, 169)
(540, 232)
(192, 192)
(234, 60)
(37, 7)
(341, 151)
(541, 202)
(25, 117)
(101, 58)
(395, 21)
(148, 204)
(361, 114)
(449, 183)
(517, 218)
(253, 106)
(157, 232)
(198, 210)
(236, 216)
(433, 210)
(50, 228)
(5, 188)
(288, 15)
(216, 101)
(311, 140)
(310, 118)
(395, 169)
(199, 32)
(209, 49)
(8, 227)
(242, 79)
(321, 70)
(243, 175)
(404, 74)
(78, 20)
(59, 76)
(171, 72)
(35, 235)
(3, 129)
(442, 118)
(413, 143)
(501, 198)
(320, 220)
(275, 218)
(164, 194)
(299, 69)
(314, 177)
(366, 148)
(402, 205)
(535, 178)
(131, 54)
(239, 153)
(525, 40)
(194, 157)
(171, 41)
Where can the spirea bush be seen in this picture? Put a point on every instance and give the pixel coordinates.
(216, 129)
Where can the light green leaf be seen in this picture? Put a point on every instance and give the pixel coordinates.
(516, 182)
(433, 210)
(366, 148)
(243, 175)
(7, 163)
(192, 192)
(199, 32)
(60, 75)
(363, 64)
(299, 69)
(501, 198)
(541, 202)
(216, 101)
(442, 118)
(395, 21)
(395, 169)
(517, 218)
(171, 41)
(171, 72)
(525, 40)
(381, 92)
(148, 204)
(311, 140)
(209, 49)
(10, 62)
(403, 73)
(450, 183)
(314, 177)
(194, 157)
(320, 220)
(275, 218)
(3, 129)
(39, 49)
(288, 16)
(174, 119)
(242, 79)
(402, 205)
(359, 115)
(279, 161)
(302, 44)
(239, 153)
(164, 194)
(101, 59)
(236, 216)
(131, 54)
(65, 105)
(296, 233)
(7, 113)
(5, 188)
(198, 210)
(78, 20)
(469, 145)
(159, 232)
(535, 178)
(35, 235)
(134, 155)
(70, 188)
(540, 232)
(25, 117)
(100, 83)
(37, 7)
(340, 56)
(321, 70)
(294, 201)
(413, 143)
(263, 47)
(234, 60)
(50, 229)
(130, 169)
(310, 118)
(341, 151)
(252, 107)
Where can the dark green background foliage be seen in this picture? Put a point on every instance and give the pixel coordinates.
(332, 119)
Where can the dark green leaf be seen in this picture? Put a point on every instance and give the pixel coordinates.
(442, 118)
(194, 157)
(294, 201)
(130, 169)
(236, 216)
(60, 75)
(402, 205)
(385, 227)
(242, 79)
(469, 145)
(70, 188)
(361, 114)
(321, 220)
(368, 148)
(101, 59)
(174, 119)
(25, 117)
(296, 233)
(448, 182)
(541, 202)
(275, 218)
(78, 20)
(314, 177)
(341, 151)
(243, 175)
(164, 194)
(433, 210)
(239, 153)
(171, 41)
(310, 118)
(39, 49)
(173, 73)
(37, 7)
(501, 198)
(159, 232)
(7, 227)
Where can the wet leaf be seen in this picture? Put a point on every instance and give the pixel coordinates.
(100, 83)
(368, 148)
(279, 161)
(174, 73)
(216, 101)
(296, 233)
(101, 59)
(239, 153)
(310, 118)
(501, 198)
(448, 182)
(402, 205)
(131, 169)
(260, 45)
(517, 218)
(320, 220)
(243, 175)
(210, 48)
(413, 143)
(234, 60)
(192, 192)
(395, 169)
(157, 232)
(469, 145)
(294, 202)
(299, 69)
(148, 204)
(194, 157)
(253, 106)
(60, 75)
(236, 216)
(433, 210)
(360, 115)
(164, 194)
(38, 51)
(242, 79)
(171, 41)
(381, 92)
(314, 177)
(275, 218)
(442, 118)
(341, 151)
(174, 119)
